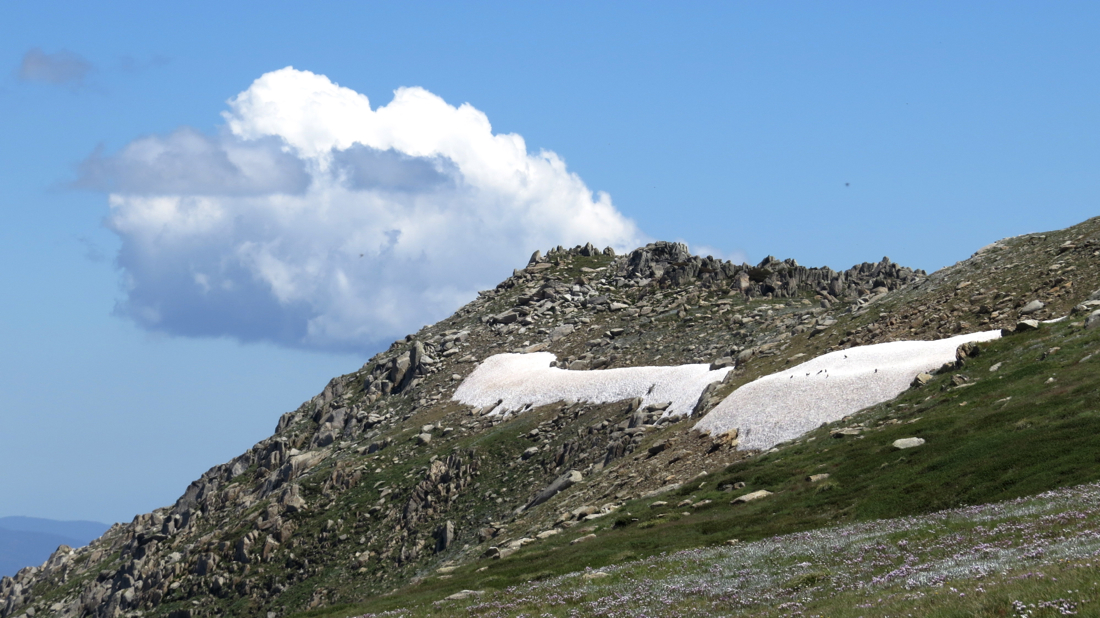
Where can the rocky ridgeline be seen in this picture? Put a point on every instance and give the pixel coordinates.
(381, 480)
(671, 265)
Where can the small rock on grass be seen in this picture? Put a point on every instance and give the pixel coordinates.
(596, 575)
(921, 380)
(905, 443)
(749, 497)
(816, 478)
(581, 539)
(660, 490)
(465, 594)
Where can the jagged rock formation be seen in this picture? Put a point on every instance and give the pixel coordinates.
(383, 479)
(671, 265)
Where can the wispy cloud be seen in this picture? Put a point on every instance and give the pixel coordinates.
(130, 64)
(92, 251)
(61, 68)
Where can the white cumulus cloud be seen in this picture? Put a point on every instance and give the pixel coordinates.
(313, 220)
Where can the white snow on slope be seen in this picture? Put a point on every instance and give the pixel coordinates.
(787, 404)
(520, 380)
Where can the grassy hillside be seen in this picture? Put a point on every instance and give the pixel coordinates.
(1030, 426)
(1028, 557)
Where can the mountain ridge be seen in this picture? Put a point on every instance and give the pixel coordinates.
(383, 479)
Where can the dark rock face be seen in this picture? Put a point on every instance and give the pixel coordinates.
(444, 536)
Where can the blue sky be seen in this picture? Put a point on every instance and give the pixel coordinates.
(832, 133)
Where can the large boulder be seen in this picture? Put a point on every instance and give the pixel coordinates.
(559, 332)
(560, 484)
(291, 499)
(970, 349)
(444, 536)
(1093, 320)
(1031, 307)
(400, 367)
(508, 317)
(1025, 325)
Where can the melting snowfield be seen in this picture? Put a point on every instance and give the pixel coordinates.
(766, 411)
(521, 380)
(785, 405)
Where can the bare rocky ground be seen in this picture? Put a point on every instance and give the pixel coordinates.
(382, 480)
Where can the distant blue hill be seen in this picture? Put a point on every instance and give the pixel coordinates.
(29, 541)
(83, 531)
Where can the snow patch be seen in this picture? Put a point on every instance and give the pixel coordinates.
(521, 380)
(787, 404)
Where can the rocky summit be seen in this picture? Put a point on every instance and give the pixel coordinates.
(386, 492)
